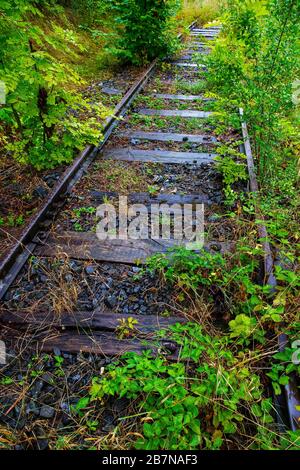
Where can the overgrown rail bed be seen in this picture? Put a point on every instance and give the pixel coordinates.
(76, 310)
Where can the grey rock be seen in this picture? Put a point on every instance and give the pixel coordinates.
(65, 407)
(47, 412)
(108, 423)
(69, 277)
(111, 301)
(110, 90)
(17, 295)
(40, 192)
(47, 378)
(76, 377)
(19, 447)
(32, 408)
(135, 269)
(75, 266)
(57, 351)
(39, 295)
(42, 444)
(213, 218)
(37, 388)
(90, 269)
(134, 141)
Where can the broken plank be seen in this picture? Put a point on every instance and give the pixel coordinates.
(87, 246)
(188, 64)
(170, 137)
(185, 113)
(96, 320)
(102, 344)
(204, 33)
(158, 156)
(146, 198)
(169, 96)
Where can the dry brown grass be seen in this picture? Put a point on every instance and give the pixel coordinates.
(203, 11)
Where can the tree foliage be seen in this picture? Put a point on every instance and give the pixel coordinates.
(256, 64)
(144, 28)
(42, 109)
(44, 119)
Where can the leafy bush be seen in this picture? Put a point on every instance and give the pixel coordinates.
(235, 278)
(42, 110)
(256, 64)
(197, 402)
(143, 27)
(187, 269)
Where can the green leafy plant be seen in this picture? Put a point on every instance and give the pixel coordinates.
(126, 327)
(6, 381)
(144, 28)
(232, 172)
(187, 405)
(255, 63)
(187, 269)
(283, 366)
(42, 110)
(243, 328)
(152, 190)
(15, 220)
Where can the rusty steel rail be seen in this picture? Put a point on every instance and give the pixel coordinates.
(291, 392)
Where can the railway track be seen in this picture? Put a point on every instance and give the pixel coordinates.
(60, 246)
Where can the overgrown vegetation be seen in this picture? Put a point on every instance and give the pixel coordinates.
(255, 62)
(43, 109)
(196, 402)
(144, 28)
(202, 11)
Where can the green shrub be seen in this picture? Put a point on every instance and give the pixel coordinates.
(209, 395)
(42, 110)
(144, 28)
(256, 63)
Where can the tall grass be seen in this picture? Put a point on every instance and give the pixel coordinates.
(203, 11)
